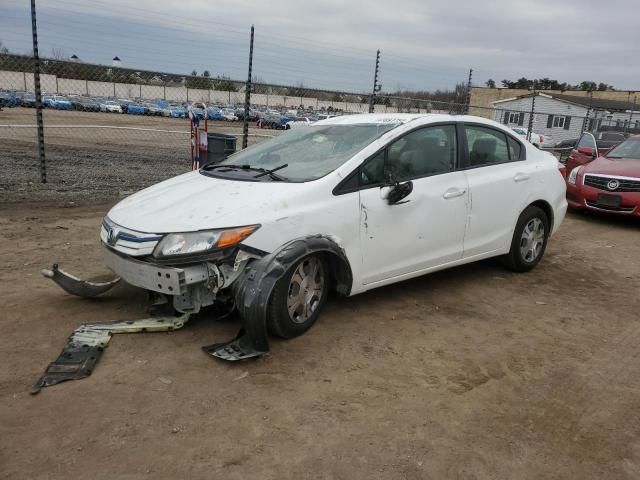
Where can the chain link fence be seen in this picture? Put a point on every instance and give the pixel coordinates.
(110, 129)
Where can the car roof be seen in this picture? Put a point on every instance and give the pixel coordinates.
(402, 118)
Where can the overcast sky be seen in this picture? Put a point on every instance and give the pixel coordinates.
(425, 44)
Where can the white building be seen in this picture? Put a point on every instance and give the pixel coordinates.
(564, 117)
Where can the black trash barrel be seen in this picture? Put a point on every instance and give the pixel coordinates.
(220, 146)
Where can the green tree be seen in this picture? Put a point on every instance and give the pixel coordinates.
(206, 74)
(224, 84)
(491, 83)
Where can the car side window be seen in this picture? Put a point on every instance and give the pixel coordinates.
(486, 146)
(424, 152)
(372, 172)
(515, 148)
(586, 140)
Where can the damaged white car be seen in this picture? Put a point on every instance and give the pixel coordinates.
(350, 203)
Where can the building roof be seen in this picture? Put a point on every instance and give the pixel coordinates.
(584, 101)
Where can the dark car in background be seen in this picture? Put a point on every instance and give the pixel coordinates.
(592, 145)
(9, 99)
(29, 100)
(85, 104)
(152, 109)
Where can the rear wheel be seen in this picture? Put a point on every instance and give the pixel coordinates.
(529, 240)
(298, 297)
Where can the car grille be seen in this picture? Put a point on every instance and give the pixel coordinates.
(593, 204)
(127, 241)
(625, 184)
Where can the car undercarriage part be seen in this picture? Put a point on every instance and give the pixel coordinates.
(87, 342)
(75, 286)
(252, 291)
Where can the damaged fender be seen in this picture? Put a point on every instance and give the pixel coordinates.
(76, 286)
(252, 291)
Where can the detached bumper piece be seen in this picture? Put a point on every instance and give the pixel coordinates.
(76, 286)
(87, 342)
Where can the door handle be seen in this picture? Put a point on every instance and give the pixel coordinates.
(453, 193)
(521, 177)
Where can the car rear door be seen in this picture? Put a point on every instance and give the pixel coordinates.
(424, 229)
(498, 175)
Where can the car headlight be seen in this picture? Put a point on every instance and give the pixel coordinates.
(192, 243)
(571, 179)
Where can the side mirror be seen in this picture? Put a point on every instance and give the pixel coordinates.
(399, 191)
(589, 151)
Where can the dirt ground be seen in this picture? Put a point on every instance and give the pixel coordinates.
(472, 373)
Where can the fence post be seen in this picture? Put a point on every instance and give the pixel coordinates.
(467, 101)
(187, 94)
(631, 113)
(585, 123)
(38, 92)
(247, 96)
(533, 110)
(372, 98)
(24, 79)
(164, 92)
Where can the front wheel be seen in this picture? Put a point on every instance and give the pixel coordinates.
(529, 240)
(298, 297)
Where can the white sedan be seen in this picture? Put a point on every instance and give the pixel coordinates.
(110, 106)
(537, 139)
(350, 203)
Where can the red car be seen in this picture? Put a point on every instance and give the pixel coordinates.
(609, 183)
(592, 145)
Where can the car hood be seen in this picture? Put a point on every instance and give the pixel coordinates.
(194, 201)
(624, 167)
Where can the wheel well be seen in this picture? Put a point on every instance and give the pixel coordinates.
(341, 276)
(546, 208)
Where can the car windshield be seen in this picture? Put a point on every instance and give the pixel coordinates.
(627, 149)
(310, 153)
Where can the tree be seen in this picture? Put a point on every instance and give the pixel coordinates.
(587, 86)
(224, 84)
(206, 74)
(3, 49)
(194, 73)
(491, 83)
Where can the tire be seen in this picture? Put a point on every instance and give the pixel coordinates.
(529, 240)
(287, 317)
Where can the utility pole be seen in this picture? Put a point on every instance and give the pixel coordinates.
(533, 110)
(585, 123)
(631, 113)
(38, 92)
(247, 96)
(376, 88)
(468, 99)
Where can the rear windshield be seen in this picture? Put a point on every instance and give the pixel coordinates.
(310, 153)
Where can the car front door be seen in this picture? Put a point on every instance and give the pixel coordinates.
(585, 151)
(498, 175)
(424, 228)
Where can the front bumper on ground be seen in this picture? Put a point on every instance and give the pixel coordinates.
(158, 278)
(585, 197)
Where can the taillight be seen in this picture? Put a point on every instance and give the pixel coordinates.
(541, 138)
